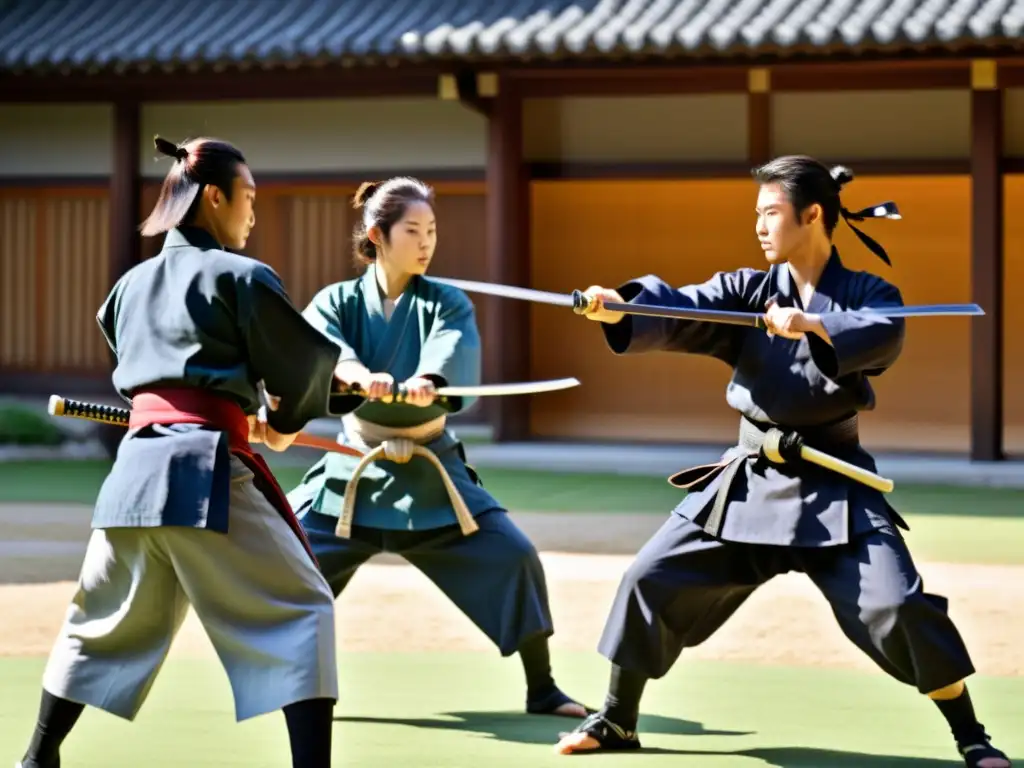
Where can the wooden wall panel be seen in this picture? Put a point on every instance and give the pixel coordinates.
(54, 274)
(591, 232)
(846, 126)
(78, 280)
(318, 246)
(636, 128)
(1013, 307)
(18, 302)
(1013, 122)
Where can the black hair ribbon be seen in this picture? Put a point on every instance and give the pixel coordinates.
(886, 210)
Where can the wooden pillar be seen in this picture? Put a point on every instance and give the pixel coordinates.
(759, 116)
(125, 191)
(507, 342)
(986, 263)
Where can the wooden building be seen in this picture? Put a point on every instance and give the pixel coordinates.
(569, 144)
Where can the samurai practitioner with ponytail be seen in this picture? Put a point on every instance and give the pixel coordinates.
(394, 325)
(746, 519)
(189, 514)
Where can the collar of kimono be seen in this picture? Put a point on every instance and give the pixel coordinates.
(186, 236)
(886, 210)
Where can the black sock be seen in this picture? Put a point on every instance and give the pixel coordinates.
(959, 713)
(310, 727)
(537, 665)
(622, 705)
(56, 719)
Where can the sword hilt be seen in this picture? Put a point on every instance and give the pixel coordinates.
(583, 304)
(104, 414)
(399, 394)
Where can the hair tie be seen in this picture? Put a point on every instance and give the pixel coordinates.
(886, 210)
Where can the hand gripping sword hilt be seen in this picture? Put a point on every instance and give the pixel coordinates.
(581, 303)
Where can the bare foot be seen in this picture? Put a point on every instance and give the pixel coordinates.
(575, 742)
(571, 709)
(993, 762)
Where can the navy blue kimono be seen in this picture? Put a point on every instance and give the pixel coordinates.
(746, 519)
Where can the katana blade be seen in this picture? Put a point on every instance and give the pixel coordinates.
(508, 291)
(582, 304)
(925, 310)
(399, 394)
(513, 388)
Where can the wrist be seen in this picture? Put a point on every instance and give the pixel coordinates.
(817, 327)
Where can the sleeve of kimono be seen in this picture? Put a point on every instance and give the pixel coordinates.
(860, 343)
(324, 314)
(635, 334)
(451, 355)
(295, 360)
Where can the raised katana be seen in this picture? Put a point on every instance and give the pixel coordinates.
(582, 304)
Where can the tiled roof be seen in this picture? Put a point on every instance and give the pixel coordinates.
(129, 34)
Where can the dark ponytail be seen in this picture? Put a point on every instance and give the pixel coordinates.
(382, 204)
(197, 163)
(807, 181)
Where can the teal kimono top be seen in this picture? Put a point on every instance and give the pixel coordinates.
(431, 332)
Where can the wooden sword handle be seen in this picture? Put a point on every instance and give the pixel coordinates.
(772, 449)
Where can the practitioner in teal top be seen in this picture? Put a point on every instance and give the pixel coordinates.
(414, 495)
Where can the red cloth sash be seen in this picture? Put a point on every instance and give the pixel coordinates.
(196, 406)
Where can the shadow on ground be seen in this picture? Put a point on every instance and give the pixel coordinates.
(526, 729)
(535, 729)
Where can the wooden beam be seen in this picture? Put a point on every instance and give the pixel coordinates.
(871, 76)
(255, 84)
(125, 195)
(759, 116)
(627, 81)
(507, 342)
(125, 190)
(986, 265)
(556, 170)
(474, 90)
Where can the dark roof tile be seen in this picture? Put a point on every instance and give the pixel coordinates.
(125, 34)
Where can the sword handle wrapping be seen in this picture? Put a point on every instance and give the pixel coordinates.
(399, 394)
(104, 414)
(108, 414)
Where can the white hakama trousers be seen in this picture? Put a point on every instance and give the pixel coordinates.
(265, 606)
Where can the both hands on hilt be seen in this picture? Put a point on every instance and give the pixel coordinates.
(787, 322)
(792, 323)
(355, 378)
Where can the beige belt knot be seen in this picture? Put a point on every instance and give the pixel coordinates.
(399, 448)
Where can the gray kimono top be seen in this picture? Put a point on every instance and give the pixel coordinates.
(195, 315)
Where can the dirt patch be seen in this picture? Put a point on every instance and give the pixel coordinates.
(394, 607)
